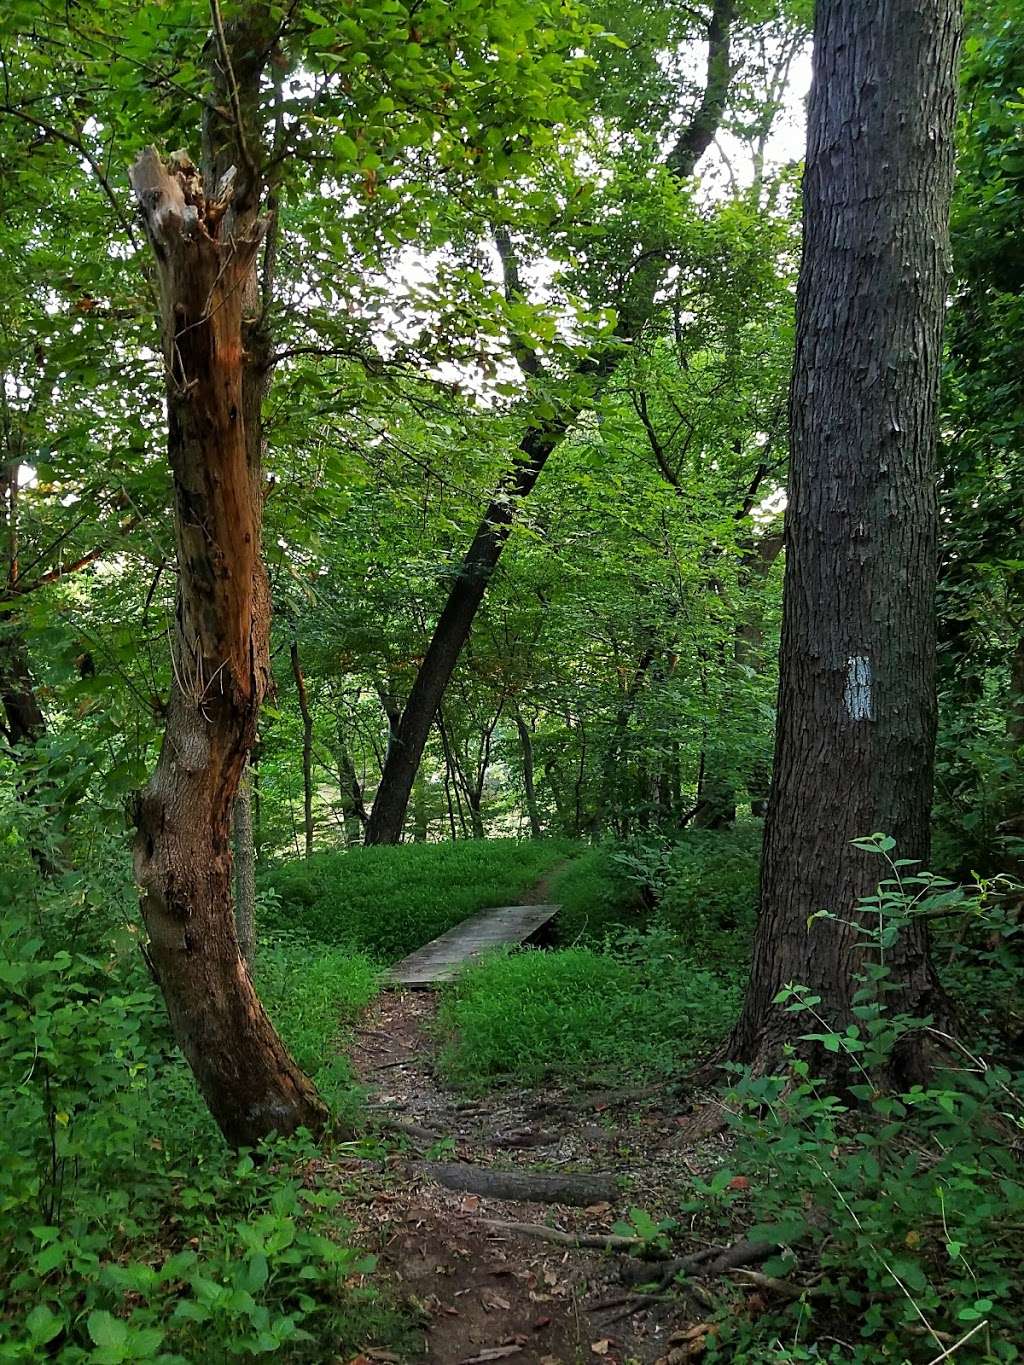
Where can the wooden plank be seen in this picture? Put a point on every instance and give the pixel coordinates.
(442, 958)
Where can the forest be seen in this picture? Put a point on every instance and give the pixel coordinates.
(512, 681)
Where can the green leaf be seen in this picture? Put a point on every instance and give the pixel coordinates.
(43, 1324)
(106, 1330)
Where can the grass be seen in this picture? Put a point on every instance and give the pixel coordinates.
(597, 898)
(574, 1012)
(311, 991)
(388, 901)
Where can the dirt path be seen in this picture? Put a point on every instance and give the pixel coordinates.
(488, 1293)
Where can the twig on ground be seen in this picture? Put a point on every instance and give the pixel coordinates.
(957, 1344)
(589, 1240)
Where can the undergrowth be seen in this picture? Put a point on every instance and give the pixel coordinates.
(128, 1232)
(597, 897)
(389, 901)
(639, 1011)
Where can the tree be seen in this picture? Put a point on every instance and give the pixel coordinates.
(543, 436)
(206, 226)
(856, 712)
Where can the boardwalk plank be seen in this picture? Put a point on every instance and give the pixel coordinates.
(442, 958)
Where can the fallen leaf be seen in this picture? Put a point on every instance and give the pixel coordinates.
(540, 1323)
(602, 1347)
(597, 1209)
(470, 1203)
(738, 1182)
(490, 1300)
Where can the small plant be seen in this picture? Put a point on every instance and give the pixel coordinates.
(905, 1207)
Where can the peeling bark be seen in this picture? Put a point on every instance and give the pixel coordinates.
(205, 250)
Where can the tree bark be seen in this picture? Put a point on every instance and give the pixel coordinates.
(529, 788)
(352, 808)
(307, 748)
(387, 816)
(856, 720)
(245, 871)
(205, 243)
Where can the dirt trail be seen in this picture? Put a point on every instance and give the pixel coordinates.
(488, 1293)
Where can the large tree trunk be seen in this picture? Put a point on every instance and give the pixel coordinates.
(387, 816)
(205, 248)
(307, 749)
(856, 723)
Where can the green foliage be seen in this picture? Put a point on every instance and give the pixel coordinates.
(389, 901)
(907, 1202)
(310, 990)
(127, 1232)
(596, 896)
(644, 1010)
(705, 888)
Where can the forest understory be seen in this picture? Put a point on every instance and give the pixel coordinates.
(468, 456)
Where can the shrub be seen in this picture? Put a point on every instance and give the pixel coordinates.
(704, 887)
(597, 897)
(907, 1207)
(127, 1231)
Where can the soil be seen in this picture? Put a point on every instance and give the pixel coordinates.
(489, 1294)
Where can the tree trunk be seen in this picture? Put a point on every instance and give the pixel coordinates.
(529, 789)
(856, 720)
(352, 808)
(245, 871)
(307, 748)
(205, 246)
(453, 626)
(24, 722)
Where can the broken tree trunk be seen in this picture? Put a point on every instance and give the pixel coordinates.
(205, 250)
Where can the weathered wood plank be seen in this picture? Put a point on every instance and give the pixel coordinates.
(442, 958)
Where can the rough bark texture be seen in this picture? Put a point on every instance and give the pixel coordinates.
(856, 724)
(307, 749)
(245, 871)
(205, 249)
(387, 817)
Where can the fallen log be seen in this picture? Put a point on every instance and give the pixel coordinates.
(525, 1187)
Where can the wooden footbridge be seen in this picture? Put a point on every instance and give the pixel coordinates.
(443, 957)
